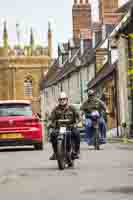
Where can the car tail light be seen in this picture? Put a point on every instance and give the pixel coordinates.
(32, 122)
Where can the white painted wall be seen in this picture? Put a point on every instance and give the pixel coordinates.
(71, 85)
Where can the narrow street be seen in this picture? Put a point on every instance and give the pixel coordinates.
(106, 174)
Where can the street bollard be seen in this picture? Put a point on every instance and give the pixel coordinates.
(125, 133)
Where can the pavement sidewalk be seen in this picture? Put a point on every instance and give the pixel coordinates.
(112, 136)
(121, 140)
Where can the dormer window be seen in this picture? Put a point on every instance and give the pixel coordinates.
(60, 61)
(77, 62)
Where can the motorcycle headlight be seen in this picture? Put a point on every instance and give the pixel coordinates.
(80, 124)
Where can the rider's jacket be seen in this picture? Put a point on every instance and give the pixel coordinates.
(91, 104)
(69, 112)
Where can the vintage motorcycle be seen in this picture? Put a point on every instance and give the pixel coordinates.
(95, 139)
(65, 145)
(96, 133)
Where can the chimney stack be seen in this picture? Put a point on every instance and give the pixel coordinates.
(81, 16)
(86, 2)
(75, 1)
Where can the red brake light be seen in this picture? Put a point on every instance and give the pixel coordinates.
(32, 122)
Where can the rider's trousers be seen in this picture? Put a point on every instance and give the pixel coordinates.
(89, 128)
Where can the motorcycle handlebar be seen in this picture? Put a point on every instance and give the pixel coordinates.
(63, 120)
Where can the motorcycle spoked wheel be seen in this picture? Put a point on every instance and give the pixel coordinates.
(60, 155)
(96, 139)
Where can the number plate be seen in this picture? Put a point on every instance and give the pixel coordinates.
(96, 125)
(62, 129)
(11, 136)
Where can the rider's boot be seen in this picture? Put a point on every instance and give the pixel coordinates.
(53, 157)
(75, 153)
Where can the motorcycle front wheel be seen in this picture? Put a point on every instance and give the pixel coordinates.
(96, 141)
(60, 155)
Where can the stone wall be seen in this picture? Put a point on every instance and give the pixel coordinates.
(13, 72)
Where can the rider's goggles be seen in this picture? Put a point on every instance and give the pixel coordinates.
(62, 99)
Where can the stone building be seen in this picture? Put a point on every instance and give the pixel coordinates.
(80, 64)
(71, 76)
(22, 69)
(115, 76)
(123, 38)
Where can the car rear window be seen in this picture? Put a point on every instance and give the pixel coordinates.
(15, 109)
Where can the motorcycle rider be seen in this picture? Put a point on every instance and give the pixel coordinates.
(94, 103)
(65, 111)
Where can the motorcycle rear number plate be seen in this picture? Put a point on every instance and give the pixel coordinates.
(60, 137)
(62, 129)
(96, 126)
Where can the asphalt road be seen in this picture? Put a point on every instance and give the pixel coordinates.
(105, 174)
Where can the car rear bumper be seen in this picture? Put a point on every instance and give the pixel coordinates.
(19, 142)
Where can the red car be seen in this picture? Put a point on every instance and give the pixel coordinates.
(19, 126)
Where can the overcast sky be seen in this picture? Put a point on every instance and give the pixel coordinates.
(36, 14)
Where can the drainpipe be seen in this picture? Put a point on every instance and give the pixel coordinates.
(116, 96)
(81, 86)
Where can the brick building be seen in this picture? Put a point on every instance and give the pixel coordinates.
(108, 15)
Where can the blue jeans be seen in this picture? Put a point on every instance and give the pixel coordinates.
(89, 129)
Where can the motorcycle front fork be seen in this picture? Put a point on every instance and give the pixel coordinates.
(68, 148)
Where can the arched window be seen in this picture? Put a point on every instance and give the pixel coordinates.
(28, 87)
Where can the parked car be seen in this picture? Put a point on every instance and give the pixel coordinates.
(19, 125)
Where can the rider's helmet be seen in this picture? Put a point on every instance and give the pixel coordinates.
(63, 99)
(90, 93)
(95, 115)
